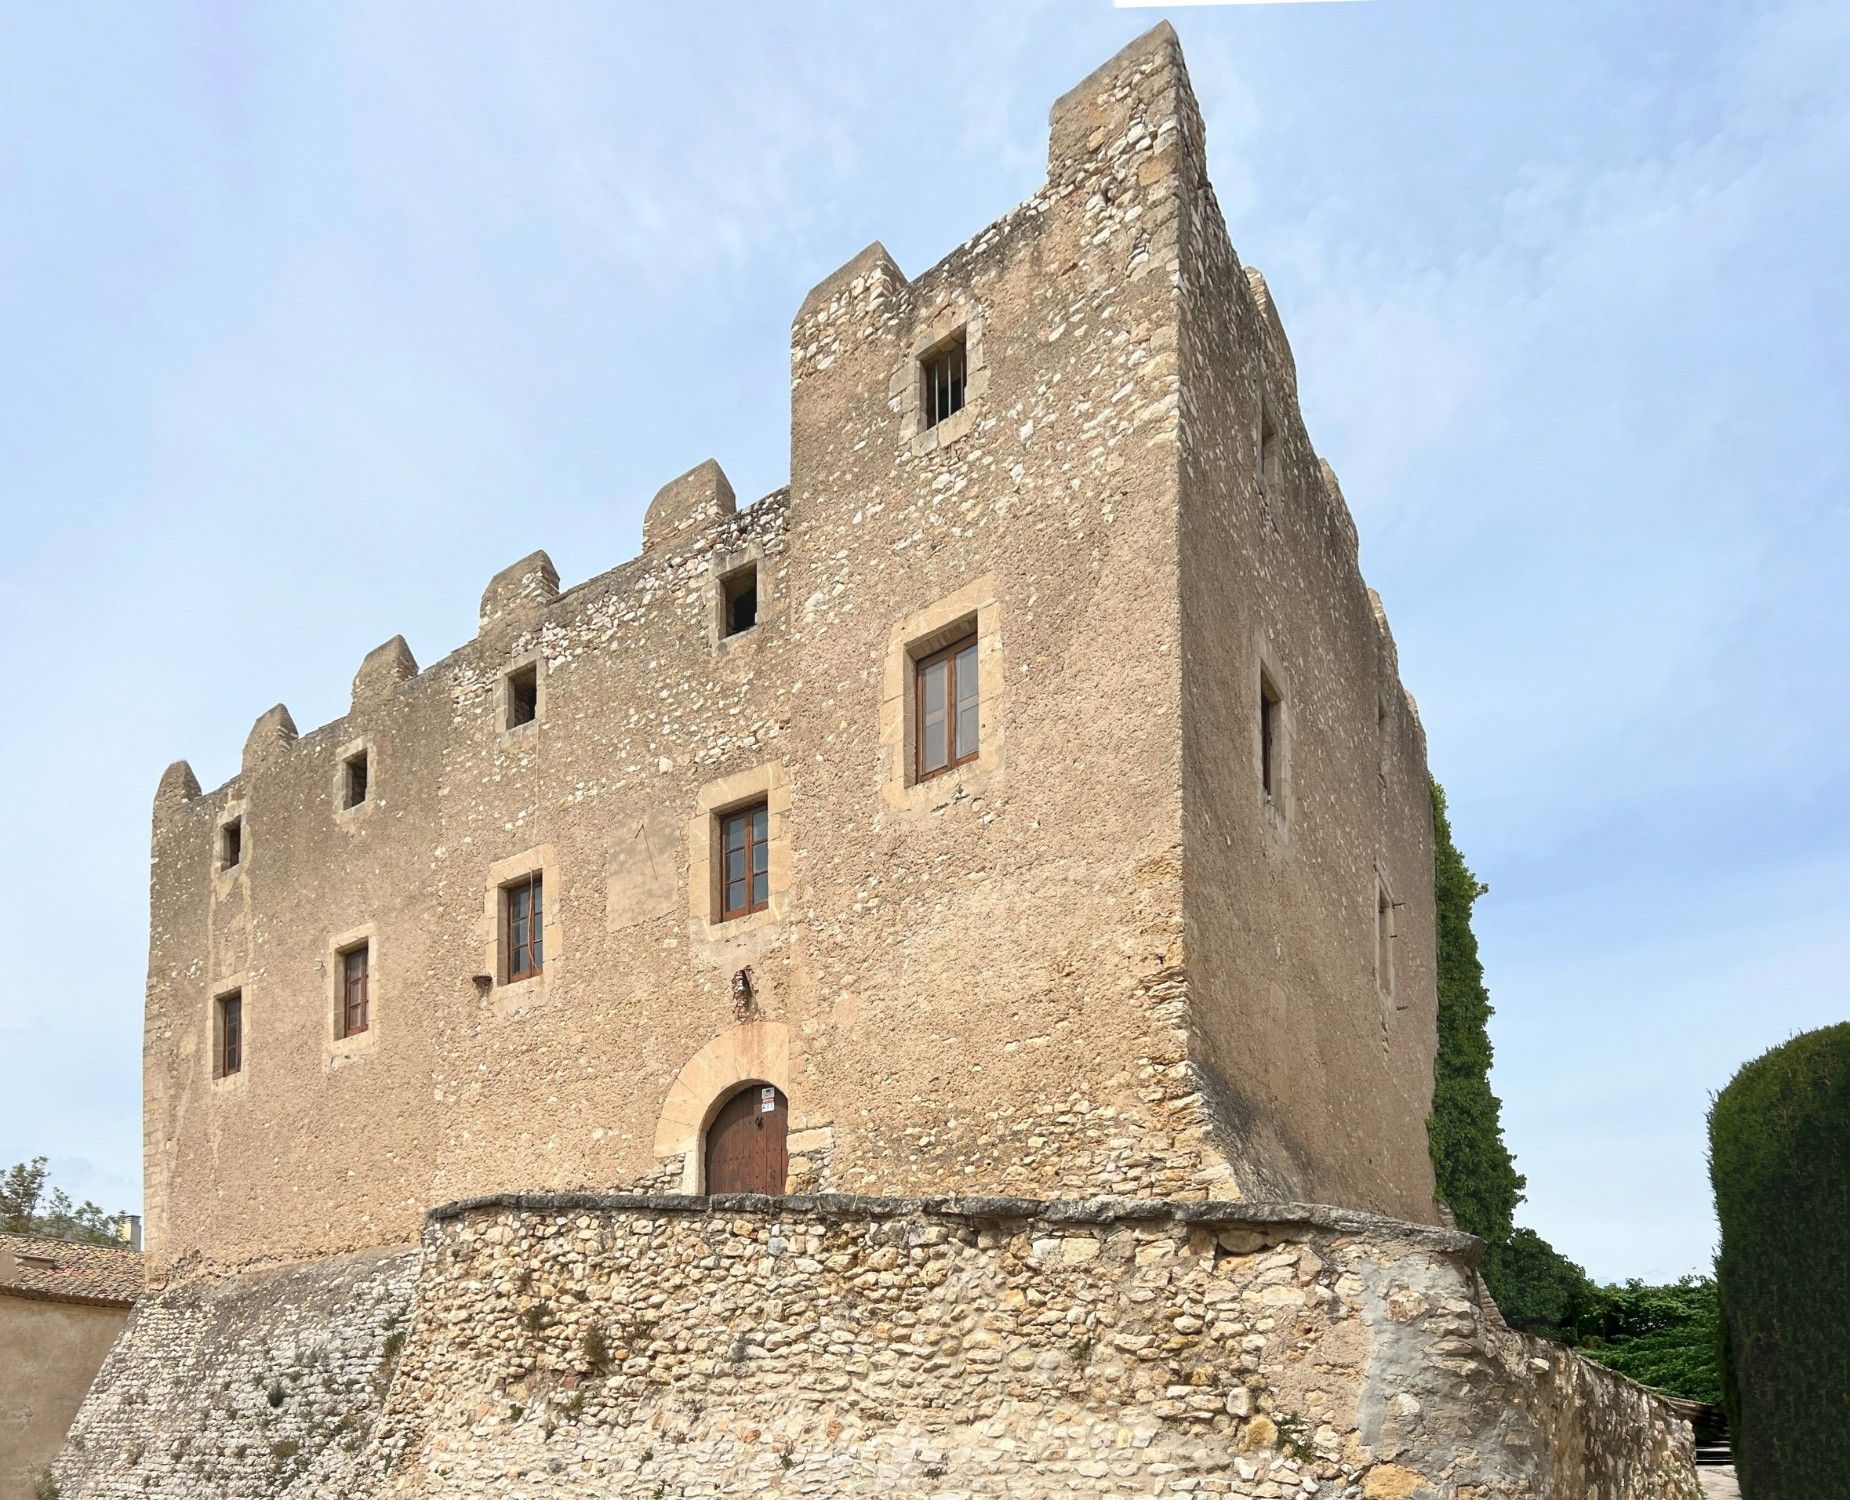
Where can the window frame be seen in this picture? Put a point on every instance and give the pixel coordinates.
(951, 356)
(514, 690)
(230, 844)
(744, 815)
(1271, 738)
(949, 655)
(344, 990)
(356, 784)
(534, 948)
(733, 584)
(228, 1039)
(1387, 934)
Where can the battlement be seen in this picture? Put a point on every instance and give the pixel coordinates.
(999, 806)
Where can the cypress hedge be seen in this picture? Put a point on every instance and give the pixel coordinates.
(1477, 1177)
(1779, 1160)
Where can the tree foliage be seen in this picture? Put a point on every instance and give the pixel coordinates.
(26, 1208)
(1667, 1337)
(1477, 1177)
(1779, 1161)
(1663, 1336)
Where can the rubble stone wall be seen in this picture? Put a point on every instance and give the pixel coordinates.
(676, 1347)
(249, 1386)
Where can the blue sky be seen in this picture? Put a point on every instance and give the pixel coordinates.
(312, 317)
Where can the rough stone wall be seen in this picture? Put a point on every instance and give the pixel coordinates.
(261, 1385)
(977, 982)
(49, 1350)
(1319, 1068)
(675, 1347)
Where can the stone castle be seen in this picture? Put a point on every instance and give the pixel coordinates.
(1004, 857)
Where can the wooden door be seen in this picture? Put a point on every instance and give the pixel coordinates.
(747, 1149)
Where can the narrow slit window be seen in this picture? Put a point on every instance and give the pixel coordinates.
(947, 711)
(1271, 747)
(522, 930)
(943, 371)
(523, 695)
(231, 844)
(1384, 941)
(745, 861)
(355, 990)
(229, 1023)
(739, 600)
(353, 782)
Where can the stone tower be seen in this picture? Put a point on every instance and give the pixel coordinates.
(1155, 920)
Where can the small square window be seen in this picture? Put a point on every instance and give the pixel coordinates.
(943, 372)
(947, 720)
(522, 929)
(745, 863)
(523, 695)
(228, 1033)
(739, 600)
(353, 786)
(1271, 737)
(231, 844)
(354, 1013)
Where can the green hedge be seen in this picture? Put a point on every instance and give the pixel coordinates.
(1779, 1159)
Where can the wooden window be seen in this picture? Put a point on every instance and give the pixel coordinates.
(353, 779)
(943, 373)
(522, 929)
(945, 708)
(228, 1021)
(231, 844)
(739, 600)
(523, 695)
(355, 1013)
(745, 861)
(1271, 744)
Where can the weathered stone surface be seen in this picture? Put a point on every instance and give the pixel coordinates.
(831, 1345)
(264, 1384)
(1097, 959)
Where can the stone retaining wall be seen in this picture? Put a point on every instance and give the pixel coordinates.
(670, 1347)
(666, 1348)
(260, 1385)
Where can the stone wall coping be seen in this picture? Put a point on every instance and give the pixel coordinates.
(1214, 1213)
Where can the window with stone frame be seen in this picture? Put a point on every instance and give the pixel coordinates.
(1271, 737)
(228, 1033)
(355, 990)
(946, 708)
(944, 371)
(745, 861)
(522, 929)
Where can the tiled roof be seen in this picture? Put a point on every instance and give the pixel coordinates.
(31, 1266)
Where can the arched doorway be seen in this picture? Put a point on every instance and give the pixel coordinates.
(747, 1142)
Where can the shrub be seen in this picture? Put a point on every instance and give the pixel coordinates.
(1779, 1160)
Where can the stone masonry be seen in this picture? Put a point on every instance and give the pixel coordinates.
(1155, 956)
(834, 1347)
(1102, 957)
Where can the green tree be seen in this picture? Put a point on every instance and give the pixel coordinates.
(1477, 1176)
(1538, 1289)
(1779, 1161)
(26, 1208)
(1667, 1337)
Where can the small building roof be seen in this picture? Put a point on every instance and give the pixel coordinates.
(64, 1271)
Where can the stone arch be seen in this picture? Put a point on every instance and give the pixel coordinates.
(753, 1052)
